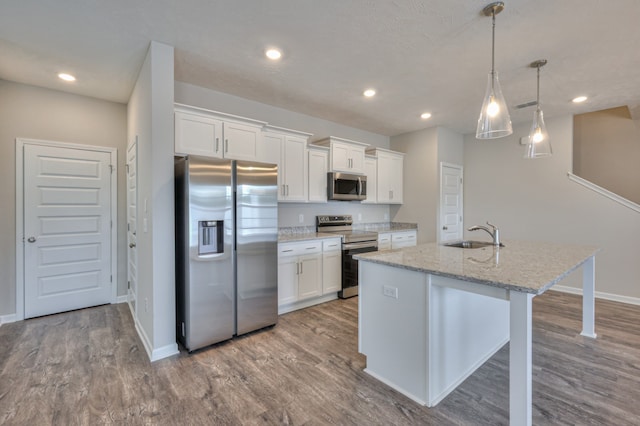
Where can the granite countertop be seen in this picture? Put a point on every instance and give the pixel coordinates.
(386, 226)
(305, 233)
(529, 267)
(305, 236)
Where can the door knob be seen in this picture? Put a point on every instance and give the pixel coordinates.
(132, 245)
(32, 239)
(444, 228)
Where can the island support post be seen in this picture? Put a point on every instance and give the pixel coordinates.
(520, 353)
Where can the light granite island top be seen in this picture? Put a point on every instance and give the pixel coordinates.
(430, 315)
(525, 266)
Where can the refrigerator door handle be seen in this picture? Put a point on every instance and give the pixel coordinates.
(217, 144)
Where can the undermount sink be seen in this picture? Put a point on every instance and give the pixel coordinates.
(470, 244)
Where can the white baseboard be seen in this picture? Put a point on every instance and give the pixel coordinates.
(6, 319)
(164, 352)
(158, 353)
(146, 343)
(121, 299)
(599, 295)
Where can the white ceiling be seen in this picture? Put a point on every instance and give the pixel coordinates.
(419, 55)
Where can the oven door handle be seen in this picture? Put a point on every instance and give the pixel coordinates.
(359, 186)
(365, 244)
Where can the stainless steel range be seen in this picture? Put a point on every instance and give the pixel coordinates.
(353, 242)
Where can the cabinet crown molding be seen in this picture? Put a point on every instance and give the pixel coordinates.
(216, 114)
(284, 130)
(374, 151)
(330, 139)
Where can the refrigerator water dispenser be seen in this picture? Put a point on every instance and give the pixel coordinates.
(210, 233)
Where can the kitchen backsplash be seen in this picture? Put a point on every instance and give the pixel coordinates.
(304, 215)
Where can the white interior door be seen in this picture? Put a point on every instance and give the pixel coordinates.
(67, 229)
(132, 216)
(451, 223)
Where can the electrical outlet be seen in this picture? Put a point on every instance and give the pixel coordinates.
(389, 291)
(301, 218)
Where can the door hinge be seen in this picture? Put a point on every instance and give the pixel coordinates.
(460, 180)
(128, 285)
(111, 224)
(128, 227)
(127, 168)
(111, 278)
(111, 167)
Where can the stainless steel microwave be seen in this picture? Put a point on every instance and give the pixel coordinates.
(346, 187)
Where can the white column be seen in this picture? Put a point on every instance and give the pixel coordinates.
(520, 359)
(588, 297)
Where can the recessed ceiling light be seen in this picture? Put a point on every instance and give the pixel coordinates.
(369, 93)
(66, 77)
(273, 54)
(579, 99)
(425, 115)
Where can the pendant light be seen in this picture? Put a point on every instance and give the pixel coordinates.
(538, 143)
(494, 121)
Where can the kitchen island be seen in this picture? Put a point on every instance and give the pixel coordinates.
(430, 315)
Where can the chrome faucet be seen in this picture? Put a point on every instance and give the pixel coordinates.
(494, 232)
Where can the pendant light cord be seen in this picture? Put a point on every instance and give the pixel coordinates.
(493, 41)
(538, 91)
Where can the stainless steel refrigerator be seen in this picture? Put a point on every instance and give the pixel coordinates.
(226, 249)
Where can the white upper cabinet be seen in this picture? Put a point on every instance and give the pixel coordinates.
(371, 172)
(318, 168)
(213, 134)
(389, 175)
(344, 155)
(292, 167)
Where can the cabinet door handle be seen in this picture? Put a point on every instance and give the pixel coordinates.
(217, 144)
(226, 145)
(300, 268)
(287, 189)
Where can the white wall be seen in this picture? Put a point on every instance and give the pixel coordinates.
(534, 200)
(150, 118)
(420, 181)
(606, 150)
(37, 113)
(425, 150)
(288, 213)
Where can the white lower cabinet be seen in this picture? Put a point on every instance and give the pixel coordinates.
(397, 239)
(307, 275)
(299, 271)
(384, 241)
(404, 239)
(331, 266)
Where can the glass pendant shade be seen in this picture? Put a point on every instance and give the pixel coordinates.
(494, 121)
(538, 144)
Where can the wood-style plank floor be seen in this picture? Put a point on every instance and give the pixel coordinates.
(88, 367)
